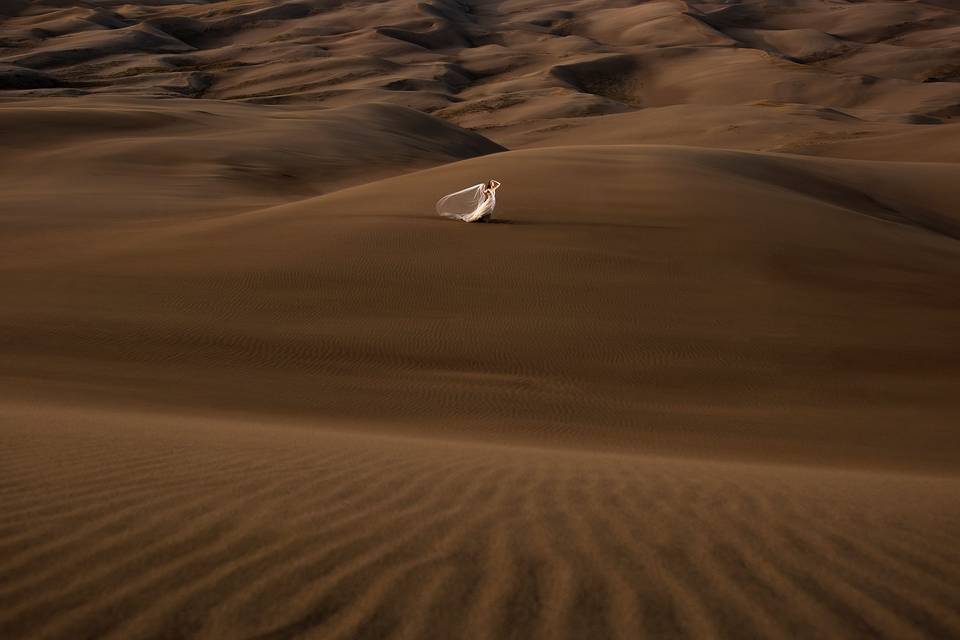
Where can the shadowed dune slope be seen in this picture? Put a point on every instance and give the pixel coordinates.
(652, 298)
(83, 163)
(138, 526)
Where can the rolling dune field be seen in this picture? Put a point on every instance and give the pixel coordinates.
(700, 378)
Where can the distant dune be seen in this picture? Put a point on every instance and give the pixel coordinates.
(172, 159)
(700, 379)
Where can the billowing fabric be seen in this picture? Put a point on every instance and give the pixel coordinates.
(473, 204)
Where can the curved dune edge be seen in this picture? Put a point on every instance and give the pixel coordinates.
(90, 163)
(669, 299)
(541, 177)
(213, 529)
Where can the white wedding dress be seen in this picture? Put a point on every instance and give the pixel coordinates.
(473, 204)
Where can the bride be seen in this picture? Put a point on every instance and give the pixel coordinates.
(473, 204)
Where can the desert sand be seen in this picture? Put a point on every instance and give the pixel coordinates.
(700, 380)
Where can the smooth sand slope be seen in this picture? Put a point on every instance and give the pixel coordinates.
(696, 301)
(700, 380)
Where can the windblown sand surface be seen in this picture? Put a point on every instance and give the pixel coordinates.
(129, 525)
(702, 380)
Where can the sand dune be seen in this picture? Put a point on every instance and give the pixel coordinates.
(173, 159)
(362, 303)
(699, 381)
(205, 529)
(786, 128)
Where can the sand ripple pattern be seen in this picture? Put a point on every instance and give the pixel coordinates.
(120, 527)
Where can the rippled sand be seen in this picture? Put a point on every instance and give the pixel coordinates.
(699, 381)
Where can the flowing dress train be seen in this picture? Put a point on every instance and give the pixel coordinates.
(473, 204)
